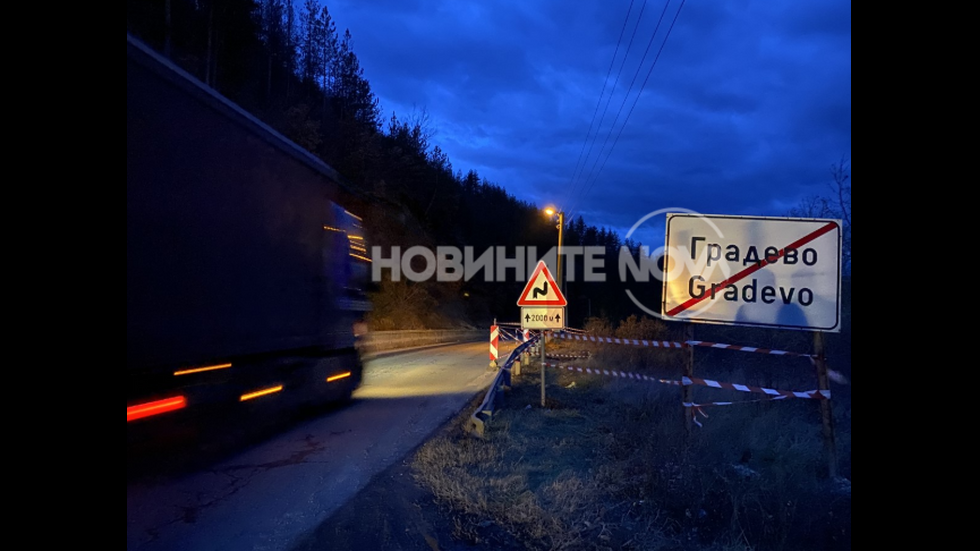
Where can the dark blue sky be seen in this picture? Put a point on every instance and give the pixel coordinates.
(747, 106)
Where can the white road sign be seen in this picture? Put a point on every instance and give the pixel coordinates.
(542, 317)
(757, 271)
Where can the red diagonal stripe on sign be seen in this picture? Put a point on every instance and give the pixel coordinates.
(755, 267)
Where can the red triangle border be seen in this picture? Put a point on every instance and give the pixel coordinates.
(541, 267)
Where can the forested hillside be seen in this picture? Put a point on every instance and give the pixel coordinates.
(291, 66)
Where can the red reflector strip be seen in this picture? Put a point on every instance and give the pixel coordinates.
(340, 376)
(152, 408)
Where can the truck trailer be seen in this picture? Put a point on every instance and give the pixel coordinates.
(246, 259)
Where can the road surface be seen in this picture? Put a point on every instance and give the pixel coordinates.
(267, 497)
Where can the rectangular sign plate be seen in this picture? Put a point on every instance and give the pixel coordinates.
(758, 271)
(542, 317)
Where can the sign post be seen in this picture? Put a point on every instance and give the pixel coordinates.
(542, 302)
(826, 413)
(687, 393)
(542, 307)
(780, 273)
(542, 369)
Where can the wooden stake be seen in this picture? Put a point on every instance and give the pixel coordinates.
(826, 411)
(686, 390)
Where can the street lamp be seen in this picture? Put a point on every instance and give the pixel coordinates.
(561, 225)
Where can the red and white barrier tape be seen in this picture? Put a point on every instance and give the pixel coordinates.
(704, 404)
(818, 394)
(815, 394)
(607, 372)
(566, 356)
(747, 348)
(685, 344)
(616, 340)
(697, 407)
(694, 415)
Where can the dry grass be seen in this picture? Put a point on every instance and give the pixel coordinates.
(608, 465)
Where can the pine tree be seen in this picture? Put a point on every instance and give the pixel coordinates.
(355, 100)
(328, 49)
(310, 43)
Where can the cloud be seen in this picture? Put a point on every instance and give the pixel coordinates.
(748, 105)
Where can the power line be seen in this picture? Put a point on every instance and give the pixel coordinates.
(636, 100)
(612, 127)
(615, 84)
(572, 183)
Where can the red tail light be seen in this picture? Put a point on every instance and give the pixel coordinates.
(155, 407)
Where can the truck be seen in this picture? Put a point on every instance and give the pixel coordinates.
(247, 265)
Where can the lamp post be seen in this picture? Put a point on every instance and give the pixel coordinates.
(561, 226)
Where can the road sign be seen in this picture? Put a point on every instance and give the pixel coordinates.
(751, 270)
(542, 317)
(541, 289)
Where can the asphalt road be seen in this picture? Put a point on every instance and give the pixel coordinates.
(269, 496)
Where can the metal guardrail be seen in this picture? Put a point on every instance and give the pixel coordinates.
(478, 421)
(381, 341)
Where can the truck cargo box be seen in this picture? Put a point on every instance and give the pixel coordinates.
(238, 242)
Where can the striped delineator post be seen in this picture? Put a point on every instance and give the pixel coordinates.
(494, 341)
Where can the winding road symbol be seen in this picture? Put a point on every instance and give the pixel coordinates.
(543, 291)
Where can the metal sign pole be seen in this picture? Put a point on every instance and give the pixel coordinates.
(542, 368)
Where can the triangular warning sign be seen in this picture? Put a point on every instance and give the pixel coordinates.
(541, 289)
